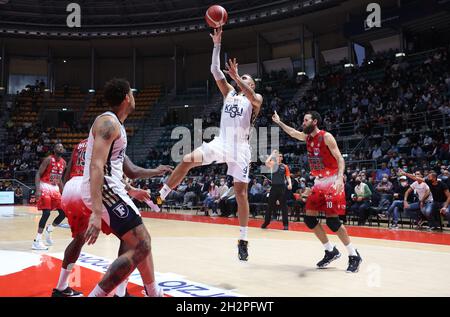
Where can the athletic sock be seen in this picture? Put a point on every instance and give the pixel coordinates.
(63, 282)
(328, 246)
(50, 228)
(243, 233)
(164, 192)
(152, 289)
(98, 292)
(121, 290)
(351, 250)
(38, 237)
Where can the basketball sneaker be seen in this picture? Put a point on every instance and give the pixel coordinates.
(38, 245)
(48, 237)
(243, 250)
(68, 292)
(329, 257)
(158, 293)
(353, 263)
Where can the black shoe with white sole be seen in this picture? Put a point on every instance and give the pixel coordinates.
(354, 261)
(329, 257)
(68, 292)
(243, 250)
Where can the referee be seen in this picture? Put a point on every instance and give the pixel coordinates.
(279, 174)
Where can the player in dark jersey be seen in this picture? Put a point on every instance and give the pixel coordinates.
(327, 166)
(48, 194)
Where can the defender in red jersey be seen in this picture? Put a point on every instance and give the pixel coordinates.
(327, 166)
(48, 194)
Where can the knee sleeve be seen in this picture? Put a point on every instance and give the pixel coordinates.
(44, 218)
(311, 221)
(334, 223)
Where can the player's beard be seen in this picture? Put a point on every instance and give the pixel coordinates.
(308, 129)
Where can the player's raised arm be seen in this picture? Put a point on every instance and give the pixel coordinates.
(289, 130)
(105, 130)
(219, 76)
(249, 92)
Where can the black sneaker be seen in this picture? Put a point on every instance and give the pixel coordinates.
(329, 257)
(68, 292)
(243, 250)
(264, 225)
(286, 228)
(354, 262)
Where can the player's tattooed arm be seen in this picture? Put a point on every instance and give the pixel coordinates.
(107, 129)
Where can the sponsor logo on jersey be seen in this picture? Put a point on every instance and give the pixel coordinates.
(233, 110)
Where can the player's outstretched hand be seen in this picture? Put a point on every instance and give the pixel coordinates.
(217, 36)
(338, 185)
(163, 169)
(232, 68)
(139, 194)
(276, 118)
(93, 230)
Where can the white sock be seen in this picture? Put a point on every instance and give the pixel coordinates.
(351, 250)
(243, 233)
(38, 237)
(164, 192)
(328, 246)
(98, 292)
(152, 289)
(50, 228)
(63, 282)
(121, 290)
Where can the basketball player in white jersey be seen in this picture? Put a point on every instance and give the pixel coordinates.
(232, 145)
(104, 193)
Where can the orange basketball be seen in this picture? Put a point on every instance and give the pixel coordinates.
(216, 16)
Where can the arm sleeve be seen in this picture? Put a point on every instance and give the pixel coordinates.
(215, 63)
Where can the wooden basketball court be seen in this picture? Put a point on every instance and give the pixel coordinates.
(197, 256)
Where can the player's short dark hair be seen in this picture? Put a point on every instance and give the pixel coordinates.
(315, 116)
(115, 91)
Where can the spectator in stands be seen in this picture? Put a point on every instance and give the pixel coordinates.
(382, 171)
(227, 202)
(376, 153)
(425, 205)
(403, 142)
(256, 191)
(397, 205)
(212, 196)
(18, 195)
(441, 199)
(361, 201)
(417, 151)
(192, 193)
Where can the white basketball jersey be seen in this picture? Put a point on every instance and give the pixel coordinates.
(113, 170)
(235, 121)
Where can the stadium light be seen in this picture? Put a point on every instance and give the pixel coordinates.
(257, 79)
(349, 65)
(91, 91)
(301, 74)
(47, 90)
(401, 54)
(186, 106)
(2, 88)
(370, 62)
(64, 61)
(133, 89)
(64, 109)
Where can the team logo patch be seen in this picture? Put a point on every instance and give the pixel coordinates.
(121, 211)
(316, 151)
